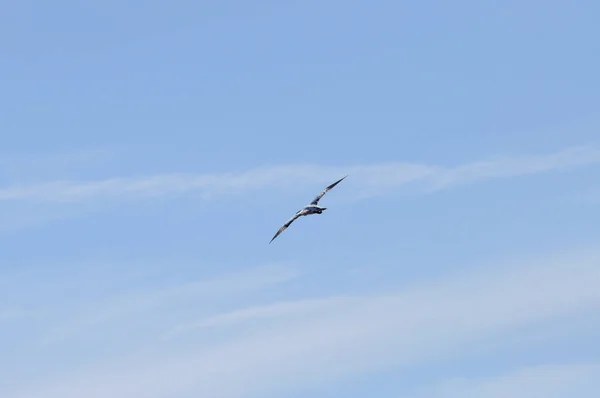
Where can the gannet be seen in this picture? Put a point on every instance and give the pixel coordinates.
(312, 208)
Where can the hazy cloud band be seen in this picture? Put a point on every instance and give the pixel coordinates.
(370, 179)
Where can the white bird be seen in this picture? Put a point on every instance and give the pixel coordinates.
(312, 208)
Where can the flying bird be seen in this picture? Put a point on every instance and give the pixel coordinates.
(312, 208)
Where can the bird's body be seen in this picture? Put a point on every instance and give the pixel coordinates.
(312, 208)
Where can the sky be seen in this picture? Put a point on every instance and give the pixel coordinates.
(151, 149)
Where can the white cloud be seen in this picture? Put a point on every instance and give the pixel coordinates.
(543, 381)
(367, 179)
(123, 308)
(520, 165)
(283, 345)
(269, 311)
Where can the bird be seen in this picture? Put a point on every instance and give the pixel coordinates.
(312, 208)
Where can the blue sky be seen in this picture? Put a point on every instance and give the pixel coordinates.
(150, 150)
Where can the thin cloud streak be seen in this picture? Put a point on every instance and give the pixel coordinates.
(268, 312)
(515, 166)
(370, 179)
(120, 308)
(302, 343)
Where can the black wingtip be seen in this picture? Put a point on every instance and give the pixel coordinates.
(338, 181)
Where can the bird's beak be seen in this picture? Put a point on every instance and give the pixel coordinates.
(324, 208)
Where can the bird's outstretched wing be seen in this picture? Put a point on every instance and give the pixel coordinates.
(287, 224)
(319, 196)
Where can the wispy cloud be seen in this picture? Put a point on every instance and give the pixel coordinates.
(367, 179)
(515, 166)
(268, 312)
(270, 348)
(120, 308)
